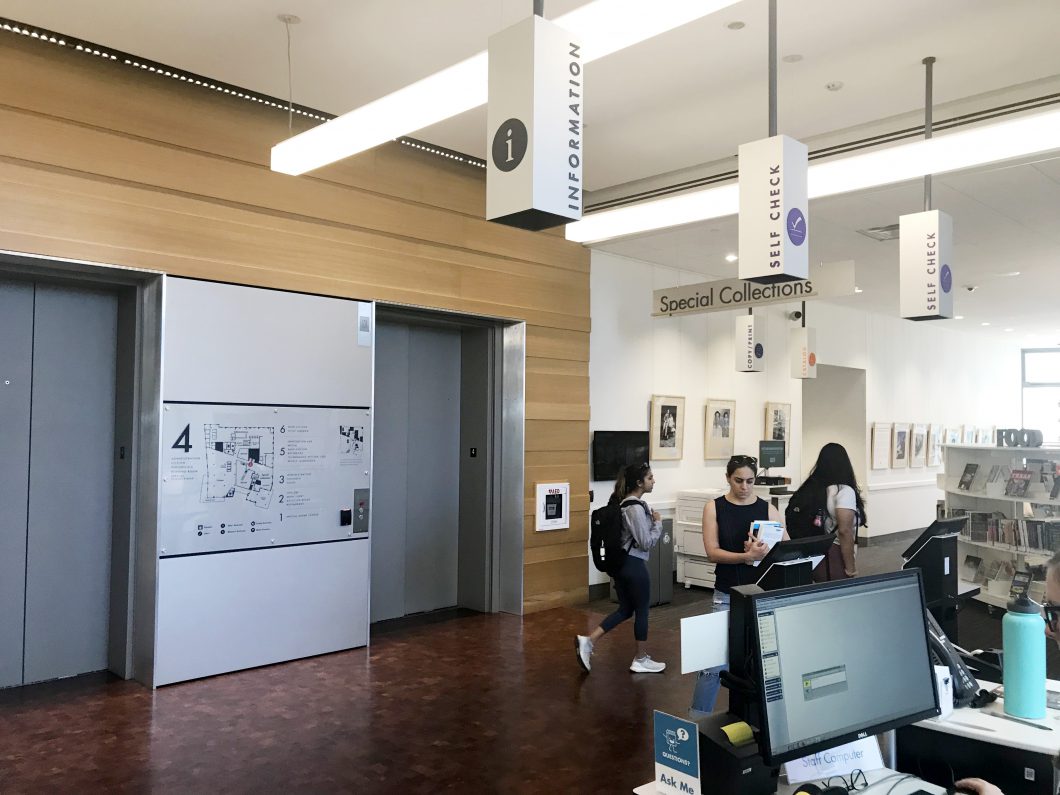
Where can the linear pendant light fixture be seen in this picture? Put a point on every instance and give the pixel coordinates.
(605, 26)
(976, 146)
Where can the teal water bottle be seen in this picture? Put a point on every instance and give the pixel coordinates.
(1023, 642)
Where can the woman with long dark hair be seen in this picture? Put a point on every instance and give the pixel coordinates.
(831, 494)
(734, 550)
(641, 529)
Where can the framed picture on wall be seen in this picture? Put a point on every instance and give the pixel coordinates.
(967, 434)
(934, 445)
(985, 435)
(667, 428)
(881, 445)
(918, 445)
(900, 445)
(719, 428)
(953, 434)
(778, 422)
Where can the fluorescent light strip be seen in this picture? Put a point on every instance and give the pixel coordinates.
(975, 146)
(604, 27)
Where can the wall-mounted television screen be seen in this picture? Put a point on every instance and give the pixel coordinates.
(613, 450)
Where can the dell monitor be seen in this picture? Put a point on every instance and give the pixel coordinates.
(613, 450)
(822, 665)
(770, 454)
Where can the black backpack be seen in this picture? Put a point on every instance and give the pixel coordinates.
(803, 518)
(605, 536)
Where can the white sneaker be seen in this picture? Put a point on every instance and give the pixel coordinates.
(646, 665)
(584, 647)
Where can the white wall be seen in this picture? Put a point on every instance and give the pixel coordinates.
(633, 356)
(919, 373)
(915, 372)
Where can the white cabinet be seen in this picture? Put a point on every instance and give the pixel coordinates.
(1016, 532)
(693, 568)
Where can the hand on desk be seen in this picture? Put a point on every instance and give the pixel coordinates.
(977, 785)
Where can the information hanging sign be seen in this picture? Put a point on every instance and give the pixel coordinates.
(925, 266)
(827, 280)
(534, 126)
(676, 755)
(774, 239)
(244, 476)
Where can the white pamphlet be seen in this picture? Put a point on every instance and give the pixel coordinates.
(768, 533)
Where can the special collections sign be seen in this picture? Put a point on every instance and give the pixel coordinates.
(827, 280)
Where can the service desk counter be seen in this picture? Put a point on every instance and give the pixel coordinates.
(901, 785)
(1017, 757)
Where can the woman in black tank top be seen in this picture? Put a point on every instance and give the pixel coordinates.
(727, 526)
(730, 545)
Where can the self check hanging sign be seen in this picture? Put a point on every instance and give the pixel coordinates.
(534, 123)
(774, 244)
(925, 251)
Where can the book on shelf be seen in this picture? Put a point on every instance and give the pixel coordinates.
(965, 483)
(995, 470)
(970, 568)
(991, 569)
(1055, 493)
(1018, 483)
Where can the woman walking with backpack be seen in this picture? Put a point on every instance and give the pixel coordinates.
(641, 528)
(830, 500)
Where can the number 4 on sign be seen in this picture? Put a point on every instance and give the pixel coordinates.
(184, 440)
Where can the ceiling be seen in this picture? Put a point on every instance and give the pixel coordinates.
(685, 98)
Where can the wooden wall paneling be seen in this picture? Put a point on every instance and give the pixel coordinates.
(546, 435)
(537, 364)
(79, 148)
(578, 531)
(234, 244)
(194, 117)
(181, 185)
(556, 343)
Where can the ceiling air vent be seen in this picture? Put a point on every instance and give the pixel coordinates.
(881, 233)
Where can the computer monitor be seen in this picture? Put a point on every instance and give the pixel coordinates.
(831, 663)
(613, 450)
(770, 454)
(940, 527)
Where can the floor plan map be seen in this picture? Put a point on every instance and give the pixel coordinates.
(239, 464)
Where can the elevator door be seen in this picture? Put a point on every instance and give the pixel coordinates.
(415, 523)
(57, 392)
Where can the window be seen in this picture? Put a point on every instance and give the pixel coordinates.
(1041, 392)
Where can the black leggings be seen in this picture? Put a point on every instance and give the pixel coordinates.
(633, 586)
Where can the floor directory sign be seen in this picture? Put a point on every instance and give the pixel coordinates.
(676, 755)
(245, 476)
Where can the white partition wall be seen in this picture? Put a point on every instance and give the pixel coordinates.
(264, 493)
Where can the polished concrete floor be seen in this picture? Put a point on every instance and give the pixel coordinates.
(452, 702)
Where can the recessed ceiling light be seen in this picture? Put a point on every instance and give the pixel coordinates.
(984, 323)
(835, 85)
(858, 290)
(793, 58)
(1012, 273)
(736, 25)
(1008, 329)
(731, 258)
(958, 317)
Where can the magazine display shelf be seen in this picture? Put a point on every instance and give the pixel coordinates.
(987, 497)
